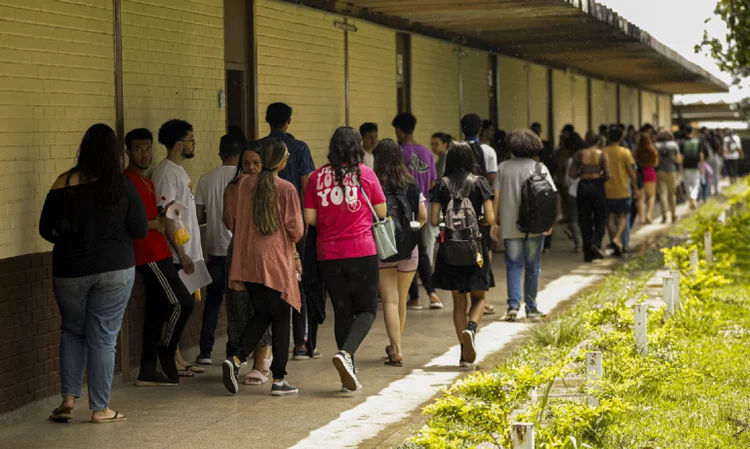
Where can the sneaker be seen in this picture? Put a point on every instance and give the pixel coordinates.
(464, 364)
(414, 305)
(155, 379)
(230, 370)
(285, 389)
(511, 314)
(316, 354)
(469, 350)
(204, 358)
(534, 314)
(344, 365)
(300, 354)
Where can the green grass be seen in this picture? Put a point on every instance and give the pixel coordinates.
(690, 391)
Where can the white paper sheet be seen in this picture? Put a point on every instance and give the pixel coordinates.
(200, 277)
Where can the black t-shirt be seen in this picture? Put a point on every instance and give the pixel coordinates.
(89, 240)
(692, 158)
(479, 193)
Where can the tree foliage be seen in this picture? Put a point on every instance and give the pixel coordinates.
(732, 54)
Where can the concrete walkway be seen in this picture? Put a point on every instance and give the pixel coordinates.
(201, 414)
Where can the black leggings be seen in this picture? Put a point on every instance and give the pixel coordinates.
(353, 287)
(270, 309)
(592, 212)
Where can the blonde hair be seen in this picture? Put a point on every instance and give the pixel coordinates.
(265, 209)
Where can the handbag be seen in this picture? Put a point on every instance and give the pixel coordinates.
(383, 230)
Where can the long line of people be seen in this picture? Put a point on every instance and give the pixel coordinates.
(280, 234)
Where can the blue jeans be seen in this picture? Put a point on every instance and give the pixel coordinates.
(91, 308)
(217, 266)
(523, 254)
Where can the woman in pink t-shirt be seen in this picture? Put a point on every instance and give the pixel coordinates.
(335, 204)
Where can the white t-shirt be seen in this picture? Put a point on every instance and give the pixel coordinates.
(210, 194)
(511, 175)
(490, 159)
(369, 160)
(172, 183)
(736, 143)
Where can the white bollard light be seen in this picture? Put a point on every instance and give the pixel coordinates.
(668, 296)
(676, 295)
(641, 319)
(593, 375)
(723, 217)
(522, 435)
(694, 260)
(707, 243)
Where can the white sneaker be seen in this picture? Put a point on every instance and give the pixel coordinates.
(344, 365)
(470, 351)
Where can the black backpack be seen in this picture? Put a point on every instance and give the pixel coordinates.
(400, 212)
(460, 242)
(538, 208)
(480, 167)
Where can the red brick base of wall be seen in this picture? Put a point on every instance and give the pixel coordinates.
(30, 330)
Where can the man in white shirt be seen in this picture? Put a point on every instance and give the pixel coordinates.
(732, 149)
(209, 203)
(471, 126)
(172, 183)
(369, 133)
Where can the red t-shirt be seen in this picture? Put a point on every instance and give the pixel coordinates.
(344, 219)
(154, 247)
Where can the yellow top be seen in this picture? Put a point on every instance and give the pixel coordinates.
(620, 158)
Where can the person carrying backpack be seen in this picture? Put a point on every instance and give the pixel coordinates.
(406, 207)
(694, 152)
(463, 264)
(527, 212)
(485, 166)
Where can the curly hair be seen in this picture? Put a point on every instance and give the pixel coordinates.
(345, 153)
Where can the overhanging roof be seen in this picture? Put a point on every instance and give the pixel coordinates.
(578, 34)
(705, 112)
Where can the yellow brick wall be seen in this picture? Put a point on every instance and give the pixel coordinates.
(434, 88)
(539, 92)
(603, 103)
(173, 67)
(629, 106)
(665, 111)
(581, 104)
(475, 71)
(512, 87)
(56, 80)
(649, 109)
(301, 62)
(562, 105)
(372, 77)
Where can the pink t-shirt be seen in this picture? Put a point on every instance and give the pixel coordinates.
(344, 219)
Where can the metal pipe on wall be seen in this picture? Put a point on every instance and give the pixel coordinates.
(346, 27)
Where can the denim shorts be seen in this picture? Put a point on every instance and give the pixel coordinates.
(619, 206)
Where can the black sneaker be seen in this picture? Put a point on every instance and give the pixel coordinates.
(511, 314)
(534, 314)
(285, 389)
(204, 358)
(469, 350)
(344, 365)
(300, 354)
(155, 379)
(230, 370)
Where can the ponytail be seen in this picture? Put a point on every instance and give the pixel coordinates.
(265, 210)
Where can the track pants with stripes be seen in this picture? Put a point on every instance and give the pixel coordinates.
(168, 307)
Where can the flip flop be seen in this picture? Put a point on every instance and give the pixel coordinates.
(60, 415)
(193, 368)
(117, 418)
(387, 351)
(489, 310)
(185, 373)
(391, 362)
(255, 377)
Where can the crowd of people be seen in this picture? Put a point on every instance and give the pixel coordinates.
(282, 236)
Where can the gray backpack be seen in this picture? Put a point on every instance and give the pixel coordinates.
(460, 242)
